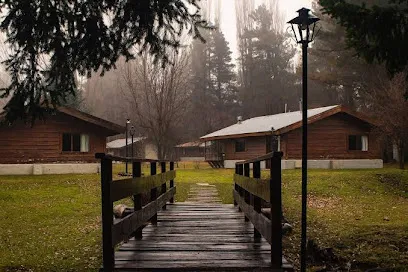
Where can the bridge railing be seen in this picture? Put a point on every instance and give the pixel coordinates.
(115, 231)
(251, 192)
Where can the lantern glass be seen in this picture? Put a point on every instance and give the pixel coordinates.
(132, 131)
(305, 24)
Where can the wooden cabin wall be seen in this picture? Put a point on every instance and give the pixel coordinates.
(21, 143)
(328, 139)
(254, 147)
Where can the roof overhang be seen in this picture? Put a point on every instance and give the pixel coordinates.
(312, 119)
(111, 128)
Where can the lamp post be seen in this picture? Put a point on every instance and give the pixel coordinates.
(306, 24)
(132, 133)
(126, 143)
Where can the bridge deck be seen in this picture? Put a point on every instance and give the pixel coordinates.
(196, 236)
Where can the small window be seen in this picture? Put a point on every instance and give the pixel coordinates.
(239, 145)
(358, 142)
(66, 142)
(75, 142)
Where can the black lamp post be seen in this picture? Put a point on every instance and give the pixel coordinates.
(126, 143)
(306, 25)
(132, 133)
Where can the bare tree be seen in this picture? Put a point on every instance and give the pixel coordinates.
(390, 108)
(158, 96)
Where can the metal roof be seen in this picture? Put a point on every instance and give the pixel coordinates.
(119, 143)
(265, 123)
(192, 144)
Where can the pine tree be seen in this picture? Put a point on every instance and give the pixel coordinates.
(267, 79)
(214, 93)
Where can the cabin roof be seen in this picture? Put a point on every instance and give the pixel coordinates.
(281, 123)
(111, 127)
(119, 143)
(192, 144)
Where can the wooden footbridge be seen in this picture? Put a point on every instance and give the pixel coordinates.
(161, 235)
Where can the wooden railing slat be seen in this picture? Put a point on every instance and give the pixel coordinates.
(132, 186)
(123, 229)
(255, 186)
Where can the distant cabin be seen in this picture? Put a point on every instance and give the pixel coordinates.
(142, 148)
(191, 151)
(65, 142)
(337, 138)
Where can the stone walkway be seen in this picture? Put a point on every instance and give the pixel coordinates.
(203, 193)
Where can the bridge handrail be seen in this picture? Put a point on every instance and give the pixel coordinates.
(115, 231)
(125, 159)
(249, 193)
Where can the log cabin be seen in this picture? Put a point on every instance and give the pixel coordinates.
(191, 151)
(64, 142)
(337, 138)
(142, 148)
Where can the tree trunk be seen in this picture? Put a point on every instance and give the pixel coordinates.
(401, 155)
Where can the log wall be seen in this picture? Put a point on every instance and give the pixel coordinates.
(42, 142)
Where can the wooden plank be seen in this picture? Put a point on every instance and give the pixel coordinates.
(126, 187)
(202, 265)
(185, 255)
(214, 242)
(124, 228)
(255, 186)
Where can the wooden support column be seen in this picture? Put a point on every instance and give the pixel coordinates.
(247, 195)
(276, 210)
(107, 215)
(256, 199)
(137, 199)
(171, 181)
(164, 185)
(153, 192)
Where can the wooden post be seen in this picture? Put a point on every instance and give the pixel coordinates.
(107, 215)
(164, 185)
(171, 181)
(240, 190)
(235, 185)
(137, 199)
(276, 210)
(247, 195)
(256, 199)
(153, 192)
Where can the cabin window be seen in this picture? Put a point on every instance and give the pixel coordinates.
(75, 142)
(239, 145)
(358, 142)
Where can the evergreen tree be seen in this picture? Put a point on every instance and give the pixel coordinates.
(337, 74)
(376, 30)
(76, 37)
(214, 94)
(267, 82)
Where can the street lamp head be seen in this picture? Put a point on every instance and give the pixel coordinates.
(306, 26)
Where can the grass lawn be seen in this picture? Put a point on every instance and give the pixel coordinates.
(53, 222)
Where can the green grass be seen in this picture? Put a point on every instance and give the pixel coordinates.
(361, 214)
(53, 222)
